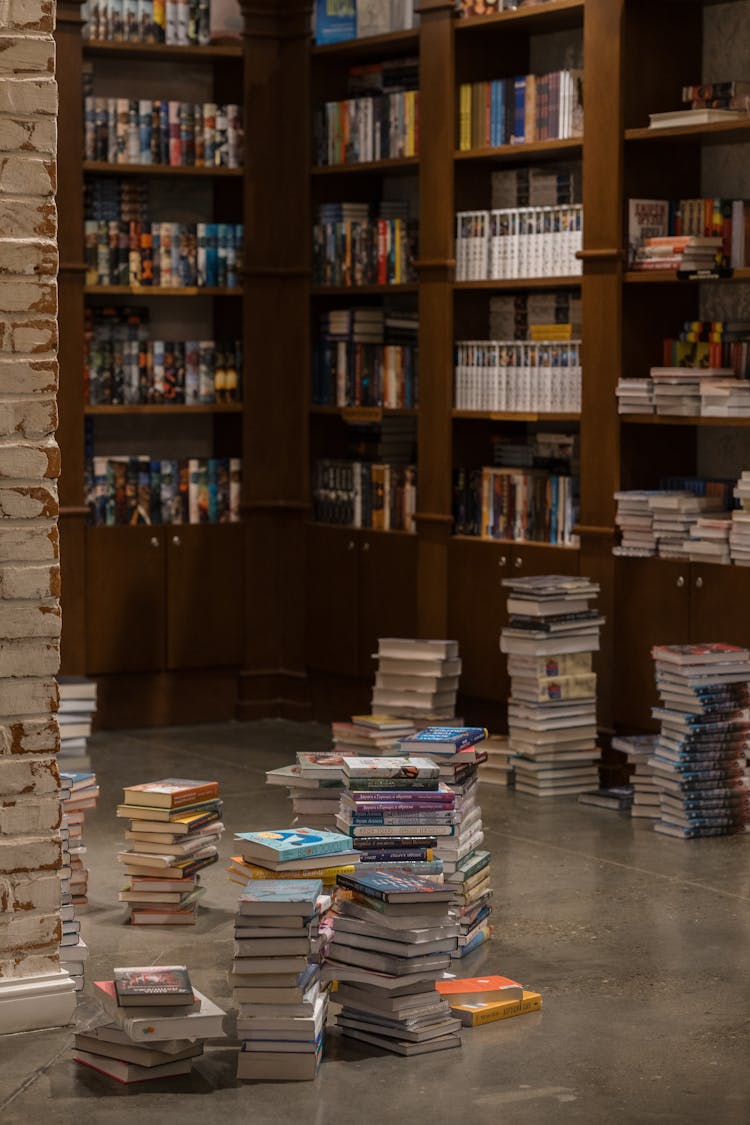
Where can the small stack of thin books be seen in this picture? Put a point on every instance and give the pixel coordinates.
(639, 748)
(314, 784)
(79, 792)
(370, 735)
(417, 679)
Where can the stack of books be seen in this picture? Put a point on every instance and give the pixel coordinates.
(371, 735)
(480, 1000)
(456, 753)
(639, 748)
(275, 979)
(675, 515)
(392, 940)
(739, 535)
(635, 396)
(397, 813)
(78, 793)
(709, 539)
(699, 761)
(498, 769)
(615, 798)
(725, 398)
(314, 784)
(155, 1022)
(416, 679)
(687, 253)
(550, 638)
(634, 519)
(174, 827)
(520, 110)
(679, 391)
(293, 853)
(75, 717)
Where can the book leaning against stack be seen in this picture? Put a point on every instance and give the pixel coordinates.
(78, 793)
(155, 1023)
(174, 828)
(550, 639)
(417, 679)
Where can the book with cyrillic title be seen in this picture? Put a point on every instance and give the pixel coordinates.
(170, 793)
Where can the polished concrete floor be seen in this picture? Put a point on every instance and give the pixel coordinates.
(639, 945)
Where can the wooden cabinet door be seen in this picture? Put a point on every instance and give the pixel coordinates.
(205, 595)
(125, 617)
(387, 592)
(332, 618)
(541, 558)
(652, 606)
(476, 614)
(719, 604)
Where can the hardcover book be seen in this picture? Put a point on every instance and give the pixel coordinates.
(289, 844)
(444, 740)
(153, 984)
(280, 893)
(170, 793)
(365, 767)
(390, 887)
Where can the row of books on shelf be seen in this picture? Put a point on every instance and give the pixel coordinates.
(356, 19)
(141, 490)
(163, 255)
(358, 244)
(175, 133)
(708, 103)
(520, 110)
(518, 376)
(380, 127)
(532, 506)
(525, 242)
(553, 315)
(684, 518)
(182, 23)
(176, 372)
(470, 8)
(688, 234)
(349, 374)
(365, 494)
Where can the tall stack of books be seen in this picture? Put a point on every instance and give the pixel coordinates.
(78, 793)
(457, 755)
(639, 748)
(699, 761)
(371, 735)
(417, 679)
(498, 769)
(155, 1022)
(551, 636)
(174, 827)
(393, 938)
(739, 534)
(314, 783)
(396, 812)
(75, 717)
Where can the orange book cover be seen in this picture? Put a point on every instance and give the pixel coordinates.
(491, 988)
(170, 792)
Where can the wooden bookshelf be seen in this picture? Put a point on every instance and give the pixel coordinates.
(556, 15)
(100, 168)
(510, 416)
(161, 52)
(669, 277)
(405, 164)
(165, 408)
(365, 413)
(678, 420)
(718, 132)
(361, 290)
(377, 47)
(522, 154)
(162, 291)
(520, 283)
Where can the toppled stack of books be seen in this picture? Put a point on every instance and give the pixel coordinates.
(635, 396)
(155, 1024)
(370, 735)
(675, 515)
(314, 784)
(74, 717)
(739, 535)
(634, 520)
(78, 793)
(466, 867)
(725, 398)
(397, 813)
(699, 761)
(614, 798)
(709, 539)
(392, 940)
(293, 853)
(416, 679)
(550, 638)
(480, 1000)
(639, 748)
(498, 769)
(275, 979)
(175, 826)
(678, 390)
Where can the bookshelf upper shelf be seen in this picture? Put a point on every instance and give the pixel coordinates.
(399, 164)
(161, 291)
(166, 408)
(656, 277)
(679, 420)
(509, 416)
(521, 283)
(552, 16)
(94, 48)
(720, 132)
(390, 45)
(102, 168)
(519, 154)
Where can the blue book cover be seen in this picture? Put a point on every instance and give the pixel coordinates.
(444, 740)
(519, 116)
(335, 20)
(277, 891)
(390, 886)
(287, 844)
(78, 778)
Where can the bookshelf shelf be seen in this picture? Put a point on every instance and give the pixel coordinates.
(521, 283)
(387, 46)
(360, 290)
(678, 420)
(403, 164)
(362, 530)
(553, 16)
(520, 154)
(666, 277)
(95, 48)
(165, 408)
(720, 132)
(160, 291)
(100, 168)
(509, 416)
(518, 543)
(365, 413)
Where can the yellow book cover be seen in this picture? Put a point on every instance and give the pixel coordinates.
(238, 867)
(540, 332)
(464, 104)
(482, 1012)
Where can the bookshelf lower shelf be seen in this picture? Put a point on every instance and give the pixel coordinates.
(510, 416)
(520, 544)
(161, 291)
(165, 408)
(520, 283)
(679, 420)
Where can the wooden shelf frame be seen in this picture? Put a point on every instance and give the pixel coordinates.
(556, 15)
(103, 168)
(103, 410)
(162, 52)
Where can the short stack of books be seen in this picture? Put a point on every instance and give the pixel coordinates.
(74, 717)
(392, 940)
(725, 398)
(739, 535)
(498, 769)
(457, 754)
(634, 519)
(314, 784)
(397, 813)
(639, 748)
(293, 853)
(370, 735)
(678, 390)
(699, 761)
(175, 826)
(417, 679)
(481, 1000)
(78, 793)
(550, 638)
(675, 515)
(154, 1027)
(635, 396)
(709, 539)
(276, 979)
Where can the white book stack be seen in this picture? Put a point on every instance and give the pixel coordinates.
(512, 243)
(709, 539)
(416, 679)
(550, 639)
(675, 514)
(79, 792)
(634, 520)
(635, 396)
(725, 398)
(679, 390)
(498, 769)
(639, 748)
(78, 698)
(518, 376)
(739, 535)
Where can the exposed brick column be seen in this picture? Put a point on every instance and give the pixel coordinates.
(29, 466)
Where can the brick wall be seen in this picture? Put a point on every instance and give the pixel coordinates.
(29, 467)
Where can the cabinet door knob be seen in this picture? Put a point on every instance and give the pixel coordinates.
(503, 560)
(680, 582)
(154, 541)
(699, 583)
(350, 545)
(176, 541)
(518, 562)
(365, 546)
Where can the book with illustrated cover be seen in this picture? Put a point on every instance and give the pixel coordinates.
(390, 887)
(476, 1013)
(713, 653)
(397, 768)
(290, 844)
(282, 896)
(153, 984)
(170, 793)
(444, 740)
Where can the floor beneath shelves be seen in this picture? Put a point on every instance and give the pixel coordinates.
(638, 944)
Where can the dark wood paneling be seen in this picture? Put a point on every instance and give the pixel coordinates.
(156, 699)
(387, 592)
(476, 614)
(719, 604)
(125, 610)
(205, 578)
(332, 625)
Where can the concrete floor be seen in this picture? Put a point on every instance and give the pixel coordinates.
(639, 945)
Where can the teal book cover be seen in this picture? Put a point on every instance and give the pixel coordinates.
(295, 843)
